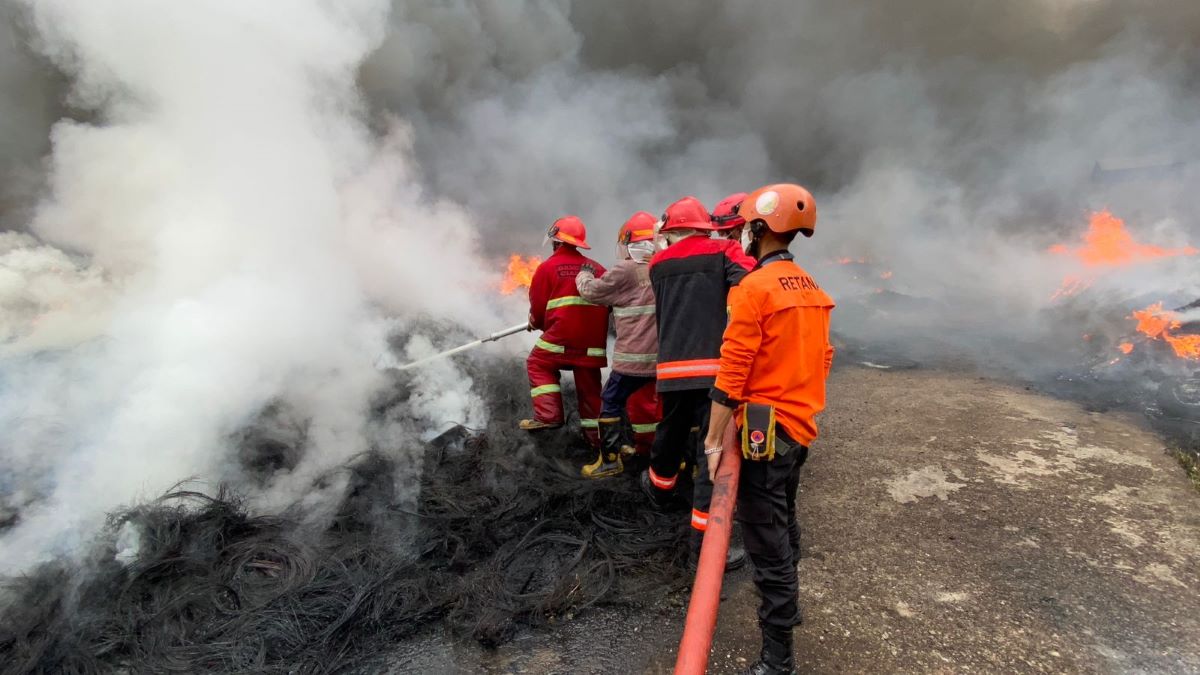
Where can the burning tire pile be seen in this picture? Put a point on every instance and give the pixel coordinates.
(505, 535)
(1146, 358)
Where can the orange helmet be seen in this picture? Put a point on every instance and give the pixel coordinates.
(686, 213)
(725, 213)
(639, 227)
(569, 230)
(783, 207)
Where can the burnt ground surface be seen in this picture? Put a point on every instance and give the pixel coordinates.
(951, 524)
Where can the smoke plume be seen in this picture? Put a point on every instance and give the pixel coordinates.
(949, 144)
(224, 235)
(218, 207)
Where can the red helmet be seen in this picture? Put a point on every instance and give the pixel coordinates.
(725, 214)
(687, 213)
(639, 227)
(569, 230)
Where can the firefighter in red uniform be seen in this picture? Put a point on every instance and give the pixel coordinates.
(691, 280)
(574, 333)
(726, 221)
(775, 359)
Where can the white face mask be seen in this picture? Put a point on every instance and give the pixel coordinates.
(745, 239)
(641, 251)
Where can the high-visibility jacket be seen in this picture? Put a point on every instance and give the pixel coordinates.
(573, 328)
(626, 288)
(691, 280)
(776, 350)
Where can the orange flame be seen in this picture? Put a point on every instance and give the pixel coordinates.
(1185, 346)
(1108, 244)
(1156, 323)
(886, 275)
(519, 274)
(1125, 347)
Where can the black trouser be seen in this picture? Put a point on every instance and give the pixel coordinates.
(766, 508)
(673, 443)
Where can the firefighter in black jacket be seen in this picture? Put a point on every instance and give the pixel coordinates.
(691, 280)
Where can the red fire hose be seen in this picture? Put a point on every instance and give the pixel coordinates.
(706, 590)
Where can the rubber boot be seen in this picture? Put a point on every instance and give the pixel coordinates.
(635, 464)
(537, 425)
(609, 461)
(735, 557)
(776, 656)
(660, 499)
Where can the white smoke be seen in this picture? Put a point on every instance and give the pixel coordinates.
(240, 234)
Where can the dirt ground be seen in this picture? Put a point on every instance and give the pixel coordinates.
(952, 525)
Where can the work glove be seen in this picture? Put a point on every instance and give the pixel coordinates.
(587, 267)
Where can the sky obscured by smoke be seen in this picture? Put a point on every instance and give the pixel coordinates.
(212, 206)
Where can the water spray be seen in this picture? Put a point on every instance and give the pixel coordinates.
(385, 361)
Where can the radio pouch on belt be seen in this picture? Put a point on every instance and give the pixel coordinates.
(758, 432)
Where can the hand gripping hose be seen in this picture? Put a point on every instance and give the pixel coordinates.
(706, 590)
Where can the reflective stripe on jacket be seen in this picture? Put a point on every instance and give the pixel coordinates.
(626, 288)
(691, 282)
(572, 327)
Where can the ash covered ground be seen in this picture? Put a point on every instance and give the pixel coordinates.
(502, 535)
(952, 523)
(508, 562)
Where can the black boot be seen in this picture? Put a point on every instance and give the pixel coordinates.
(660, 499)
(776, 657)
(609, 461)
(735, 557)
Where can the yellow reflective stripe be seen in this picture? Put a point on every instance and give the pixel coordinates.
(635, 358)
(645, 428)
(550, 346)
(600, 352)
(633, 310)
(567, 301)
(589, 424)
(545, 389)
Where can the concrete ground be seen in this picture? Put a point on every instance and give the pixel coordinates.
(951, 525)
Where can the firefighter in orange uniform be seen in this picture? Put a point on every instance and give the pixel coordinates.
(775, 358)
(574, 334)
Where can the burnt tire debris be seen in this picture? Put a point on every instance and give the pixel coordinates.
(504, 536)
